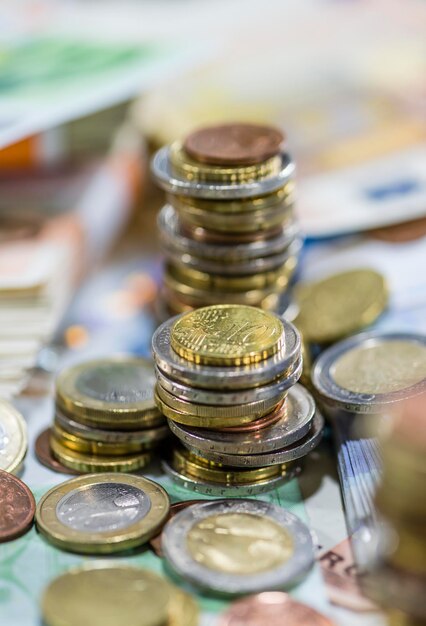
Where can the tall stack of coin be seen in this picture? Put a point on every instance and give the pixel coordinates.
(226, 379)
(106, 418)
(228, 233)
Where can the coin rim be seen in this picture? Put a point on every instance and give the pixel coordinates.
(25, 526)
(21, 425)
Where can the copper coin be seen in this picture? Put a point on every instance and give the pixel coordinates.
(262, 422)
(17, 507)
(401, 233)
(45, 456)
(155, 542)
(234, 144)
(272, 608)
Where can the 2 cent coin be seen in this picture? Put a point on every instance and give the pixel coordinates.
(17, 507)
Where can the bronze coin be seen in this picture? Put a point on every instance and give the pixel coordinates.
(272, 608)
(45, 456)
(155, 542)
(17, 507)
(401, 233)
(234, 144)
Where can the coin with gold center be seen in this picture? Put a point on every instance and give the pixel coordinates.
(227, 335)
(238, 546)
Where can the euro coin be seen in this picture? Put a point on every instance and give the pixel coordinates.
(17, 507)
(183, 609)
(102, 514)
(44, 454)
(88, 446)
(13, 437)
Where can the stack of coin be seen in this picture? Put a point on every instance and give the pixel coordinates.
(228, 233)
(106, 418)
(226, 379)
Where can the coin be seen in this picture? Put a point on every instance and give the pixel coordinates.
(44, 454)
(183, 609)
(17, 507)
(340, 305)
(294, 421)
(13, 437)
(88, 446)
(103, 594)
(371, 371)
(114, 393)
(227, 335)
(212, 546)
(272, 608)
(94, 463)
(102, 514)
(234, 144)
(155, 542)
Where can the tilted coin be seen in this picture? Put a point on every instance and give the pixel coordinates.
(291, 452)
(44, 454)
(183, 609)
(103, 594)
(227, 335)
(370, 371)
(17, 507)
(102, 514)
(88, 446)
(13, 437)
(155, 542)
(113, 393)
(212, 546)
(294, 422)
(340, 305)
(87, 463)
(239, 377)
(234, 144)
(272, 608)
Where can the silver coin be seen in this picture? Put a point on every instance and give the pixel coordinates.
(296, 450)
(292, 427)
(213, 377)
(110, 436)
(334, 394)
(290, 564)
(226, 398)
(170, 182)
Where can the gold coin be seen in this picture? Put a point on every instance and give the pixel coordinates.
(340, 305)
(102, 514)
(86, 463)
(183, 609)
(183, 165)
(96, 448)
(227, 335)
(13, 438)
(115, 393)
(107, 595)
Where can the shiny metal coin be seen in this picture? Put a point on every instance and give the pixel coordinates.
(227, 377)
(13, 438)
(294, 424)
(162, 171)
(371, 371)
(212, 545)
(296, 450)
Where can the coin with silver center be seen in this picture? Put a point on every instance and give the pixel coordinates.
(212, 546)
(13, 437)
(294, 423)
(296, 450)
(213, 377)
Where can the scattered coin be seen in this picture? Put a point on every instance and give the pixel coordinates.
(17, 507)
(13, 437)
(44, 454)
(155, 542)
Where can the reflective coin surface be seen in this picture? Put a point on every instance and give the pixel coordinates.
(13, 437)
(17, 507)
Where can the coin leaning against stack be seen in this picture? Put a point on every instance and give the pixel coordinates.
(226, 379)
(228, 231)
(106, 418)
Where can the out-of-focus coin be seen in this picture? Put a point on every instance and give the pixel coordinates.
(212, 546)
(102, 514)
(44, 454)
(234, 144)
(227, 335)
(114, 393)
(372, 370)
(13, 437)
(202, 235)
(155, 542)
(294, 421)
(107, 595)
(340, 305)
(272, 608)
(183, 609)
(17, 507)
(88, 463)
(239, 377)
(88, 446)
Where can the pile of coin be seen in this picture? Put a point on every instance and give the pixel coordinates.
(226, 379)
(13, 438)
(106, 418)
(228, 233)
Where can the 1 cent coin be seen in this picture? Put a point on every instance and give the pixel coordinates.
(155, 542)
(272, 608)
(17, 507)
(234, 144)
(44, 454)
